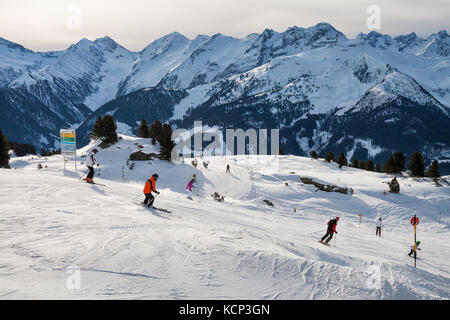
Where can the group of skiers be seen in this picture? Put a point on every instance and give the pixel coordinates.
(331, 230)
(150, 186)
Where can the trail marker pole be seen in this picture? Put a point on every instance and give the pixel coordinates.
(415, 222)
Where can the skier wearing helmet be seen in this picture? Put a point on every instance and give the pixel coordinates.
(330, 230)
(413, 251)
(150, 186)
(90, 162)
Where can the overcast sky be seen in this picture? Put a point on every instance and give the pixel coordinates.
(55, 24)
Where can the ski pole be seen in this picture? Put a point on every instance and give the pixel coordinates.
(85, 173)
(335, 236)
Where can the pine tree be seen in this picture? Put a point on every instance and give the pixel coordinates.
(342, 160)
(355, 163)
(22, 149)
(388, 166)
(143, 130)
(110, 127)
(281, 151)
(417, 165)
(105, 129)
(329, 156)
(4, 151)
(394, 186)
(370, 166)
(155, 130)
(362, 165)
(399, 162)
(395, 163)
(433, 170)
(378, 167)
(165, 141)
(97, 130)
(313, 154)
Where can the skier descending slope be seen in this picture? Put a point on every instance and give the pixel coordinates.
(150, 186)
(412, 250)
(191, 186)
(90, 162)
(379, 225)
(330, 231)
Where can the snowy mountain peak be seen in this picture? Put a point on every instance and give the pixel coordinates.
(393, 86)
(322, 34)
(164, 43)
(106, 43)
(376, 39)
(443, 34)
(406, 38)
(12, 45)
(268, 33)
(83, 44)
(436, 45)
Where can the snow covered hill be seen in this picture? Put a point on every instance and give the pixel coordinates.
(51, 222)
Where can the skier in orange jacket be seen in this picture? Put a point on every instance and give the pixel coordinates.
(150, 186)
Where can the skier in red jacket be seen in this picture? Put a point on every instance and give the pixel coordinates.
(150, 186)
(330, 231)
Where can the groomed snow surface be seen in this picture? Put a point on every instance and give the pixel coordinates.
(56, 230)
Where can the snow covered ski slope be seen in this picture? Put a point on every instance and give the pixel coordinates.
(54, 228)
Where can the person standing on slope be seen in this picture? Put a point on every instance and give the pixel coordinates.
(150, 186)
(413, 251)
(228, 169)
(191, 186)
(330, 230)
(90, 162)
(379, 224)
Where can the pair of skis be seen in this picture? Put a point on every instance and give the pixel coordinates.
(152, 207)
(324, 243)
(99, 184)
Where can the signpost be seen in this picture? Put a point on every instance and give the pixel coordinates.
(68, 144)
(415, 221)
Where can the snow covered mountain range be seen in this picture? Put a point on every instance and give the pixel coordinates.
(365, 96)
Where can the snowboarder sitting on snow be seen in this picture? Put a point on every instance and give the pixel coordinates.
(331, 230)
(205, 165)
(90, 162)
(379, 225)
(412, 249)
(150, 186)
(191, 186)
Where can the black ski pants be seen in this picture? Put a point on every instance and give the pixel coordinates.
(329, 234)
(91, 172)
(149, 198)
(378, 232)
